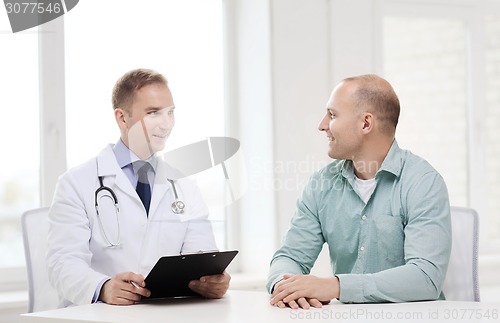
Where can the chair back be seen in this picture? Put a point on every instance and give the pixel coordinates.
(462, 282)
(35, 228)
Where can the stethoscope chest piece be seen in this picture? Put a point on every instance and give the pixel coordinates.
(178, 207)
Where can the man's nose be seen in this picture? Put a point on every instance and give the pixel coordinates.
(324, 124)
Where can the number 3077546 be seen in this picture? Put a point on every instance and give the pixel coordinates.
(32, 7)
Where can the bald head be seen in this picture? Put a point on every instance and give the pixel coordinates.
(375, 95)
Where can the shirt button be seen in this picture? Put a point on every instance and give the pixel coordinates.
(362, 248)
(363, 217)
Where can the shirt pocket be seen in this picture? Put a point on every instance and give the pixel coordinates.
(389, 234)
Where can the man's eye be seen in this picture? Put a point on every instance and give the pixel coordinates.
(152, 113)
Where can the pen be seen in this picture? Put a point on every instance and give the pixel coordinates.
(134, 284)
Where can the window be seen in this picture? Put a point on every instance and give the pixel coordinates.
(180, 39)
(492, 136)
(425, 60)
(443, 60)
(19, 178)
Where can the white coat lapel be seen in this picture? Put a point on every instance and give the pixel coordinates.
(108, 167)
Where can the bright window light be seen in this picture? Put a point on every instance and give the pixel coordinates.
(182, 39)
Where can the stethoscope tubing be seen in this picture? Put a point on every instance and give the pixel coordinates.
(117, 211)
(177, 207)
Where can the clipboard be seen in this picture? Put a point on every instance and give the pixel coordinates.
(171, 275)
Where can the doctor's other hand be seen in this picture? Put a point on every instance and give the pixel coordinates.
(124, 289)
(304, 291)
(214, 286)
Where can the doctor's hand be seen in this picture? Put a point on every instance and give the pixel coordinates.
(124, 289)
(214, 286)
(304, 291)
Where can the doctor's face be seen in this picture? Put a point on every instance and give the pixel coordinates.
(147, 123)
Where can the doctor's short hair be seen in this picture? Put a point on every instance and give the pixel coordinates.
(134, 80)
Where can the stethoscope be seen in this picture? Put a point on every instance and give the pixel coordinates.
(177, 207)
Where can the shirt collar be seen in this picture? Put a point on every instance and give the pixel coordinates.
(125, 156)
(392, 163)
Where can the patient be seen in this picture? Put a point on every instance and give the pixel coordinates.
(383, 211)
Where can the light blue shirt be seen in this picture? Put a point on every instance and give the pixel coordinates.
(124, 157)
(394, 248)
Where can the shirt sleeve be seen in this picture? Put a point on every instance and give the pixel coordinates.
(427, 250)
(97, 292)
(303, 241)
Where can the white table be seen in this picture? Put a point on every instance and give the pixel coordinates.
(248, 306)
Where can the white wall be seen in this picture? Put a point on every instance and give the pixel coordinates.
(301, 86)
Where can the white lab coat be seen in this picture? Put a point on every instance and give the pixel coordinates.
(79, 257)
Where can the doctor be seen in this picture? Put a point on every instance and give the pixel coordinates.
(112, 217)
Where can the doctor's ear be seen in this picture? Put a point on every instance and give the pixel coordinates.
(120, 117)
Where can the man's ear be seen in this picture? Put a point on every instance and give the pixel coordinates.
(368, 122)
(120, 117)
